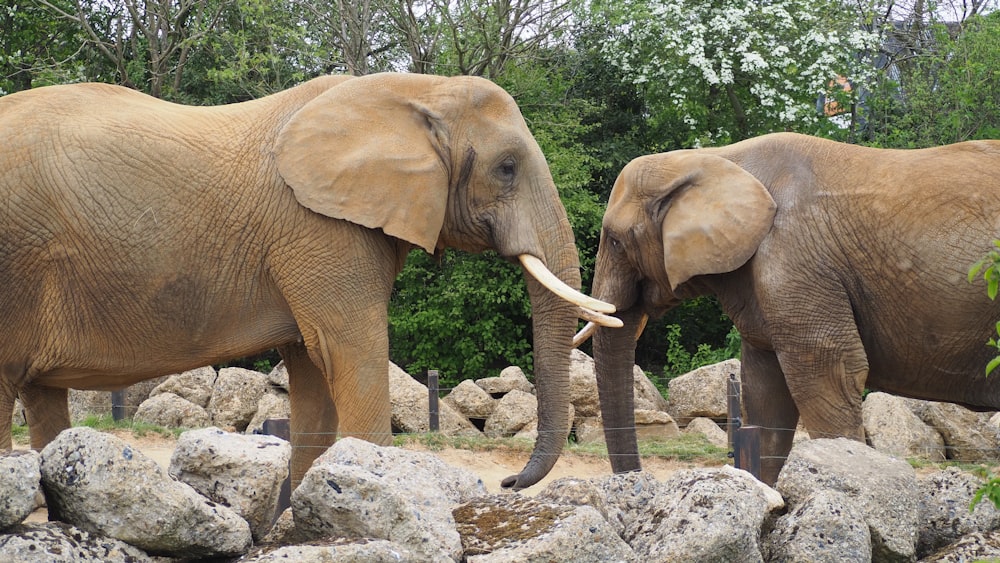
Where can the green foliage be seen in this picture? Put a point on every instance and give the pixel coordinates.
(989, 267)
(106, 423)
(990, 491)
(681, 361)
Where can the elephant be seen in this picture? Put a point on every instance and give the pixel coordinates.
(140, 238)
(843, 268)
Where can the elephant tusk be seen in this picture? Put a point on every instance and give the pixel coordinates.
(600, 318)
(590, 328)
(586, 332)
(536, 268)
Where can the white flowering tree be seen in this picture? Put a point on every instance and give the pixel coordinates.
(718, 71)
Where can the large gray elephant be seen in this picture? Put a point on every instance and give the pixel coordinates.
(843, 267)
(140, 238)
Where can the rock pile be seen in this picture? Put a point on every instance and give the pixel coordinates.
(835, 500)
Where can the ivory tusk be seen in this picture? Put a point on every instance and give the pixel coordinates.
(600, 318)
(536, 268)
(586, 332)
(590, 328)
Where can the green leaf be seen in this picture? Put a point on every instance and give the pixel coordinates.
(992, 365)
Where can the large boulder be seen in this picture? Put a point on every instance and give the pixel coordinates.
(514, 412)
(58, 542)
(710, 430)
(172, 411)
(358, 489)
(471, 401)
(702, 392)
(195, 385)
(825, 527)
(243, 472)
(944, 509)
(892, 428)
(516, 528)
(235, 397)
(100, 484)
(967, 435)
(274, 404)
(511, 378)
(411, 408)
(883, 488)
(20, 480)
(335, 551)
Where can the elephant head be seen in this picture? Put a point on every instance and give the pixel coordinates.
(671, 219)
(449, 162)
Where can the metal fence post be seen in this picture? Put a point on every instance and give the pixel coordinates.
(747, 450)
(118, 405)
(281, 428)
(432, 401)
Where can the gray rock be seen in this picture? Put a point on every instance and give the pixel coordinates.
(588, 429)
(892, 428)
(701, 392)
(827, 526)
(195, 385)
(976, 547)
(20, 480)
(242, 472)
(358, 489)
(100, 484)
(576, 492)
(56, 542)
(944, 509)
(235, 397)
(513, 412)
(18, 418)
(511, 378)
(647, 396)
(470, 400)
(704, 515)
(967, 435)
(171, 411)
(88, 403)
(710, 430)
(655, 426)
(411, 410)
(278, 377)
(583, 385)
(884, 489)
(337, 550)
(629, 499)
(516, 528)
(273, 404)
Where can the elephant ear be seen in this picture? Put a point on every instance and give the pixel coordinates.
(713, 222)
(367, 151)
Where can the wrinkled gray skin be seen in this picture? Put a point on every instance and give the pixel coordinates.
(843, 268)
(140, 238)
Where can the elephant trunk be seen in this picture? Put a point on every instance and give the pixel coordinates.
(554, 321)
(614, 358)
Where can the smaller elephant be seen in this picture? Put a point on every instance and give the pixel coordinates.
(843, 268)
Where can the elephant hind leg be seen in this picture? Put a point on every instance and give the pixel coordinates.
(314, 417)
(47, 413)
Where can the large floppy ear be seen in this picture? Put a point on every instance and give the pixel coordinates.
(713, 220)
(369, 152)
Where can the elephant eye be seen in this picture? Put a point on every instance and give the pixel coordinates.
(507, 169)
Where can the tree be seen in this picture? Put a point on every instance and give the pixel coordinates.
(35, 48)
(720, 72)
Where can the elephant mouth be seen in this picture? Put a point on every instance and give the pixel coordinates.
(589, 309)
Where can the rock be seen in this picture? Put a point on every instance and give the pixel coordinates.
(655, 426)
(513, 412)
(967, 434)
(194, 385)
(583, 384)
(88, 403)
(576, 492)
(883, 488)
(278, 377)
(827, 526)
(358, 489)
(647, 396)
(18, 419)
(273, 404)
(892, 428)
(411, 411)
(944, 513)
(629, 499)
(235, 397)
(701, 392)
(516, 528)
(704, 515)
(98, 483)
(975, 547)
(710, 430)
(588, 430)
(336, 550)
(20, 480)
(242, 472)
(167, 409)
(471, 401)
(510, 378)
(44, 543)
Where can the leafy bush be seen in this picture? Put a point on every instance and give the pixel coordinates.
(989, 266)
(681, 361)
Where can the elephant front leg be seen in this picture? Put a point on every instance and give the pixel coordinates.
(314, 417)
(767, 403)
